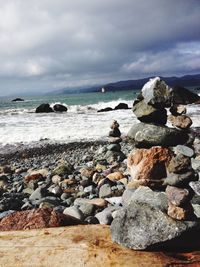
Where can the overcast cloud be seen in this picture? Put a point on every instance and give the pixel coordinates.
(50, 44)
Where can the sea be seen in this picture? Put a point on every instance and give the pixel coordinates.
(19, 124)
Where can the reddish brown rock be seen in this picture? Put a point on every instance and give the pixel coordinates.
(115, 176)
(149, 164)
(181, 121)
(33, 177)
(180, 213)
(177, 196)
(35, 219)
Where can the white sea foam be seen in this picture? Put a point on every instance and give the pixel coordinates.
(78, 124)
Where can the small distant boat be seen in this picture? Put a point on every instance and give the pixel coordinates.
(103, 90)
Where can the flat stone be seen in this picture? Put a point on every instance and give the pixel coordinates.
(114, 147)
(147, 135)
(184, 150)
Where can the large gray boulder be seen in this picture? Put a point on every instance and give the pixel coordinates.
(143, 224)
(147, 135)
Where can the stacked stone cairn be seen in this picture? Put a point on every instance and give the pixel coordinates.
(158, 196)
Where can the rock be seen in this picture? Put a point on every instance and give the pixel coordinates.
(5, 213)
(18, 99)
(98, 202)
(184, 96)
(38, 194)
(114, 147)
(105, 191)
(114, 140)
(112, 156)
(184, 150)
(180, 180)
(87, 209)
(147, 196)
(35, 219)
(149, 164)
(87, 172)
(44, 108)
(195, 164)
(147, 135)
(149, 114)
(63, 168)
(178, 110)
(185, 212)
(157, 93)
(195, 185)
(59, 108)
(140, 226)
(115, 133)
(35, 177)
(179, 164)
(74, 212)
(121, 106)
(56, 179)
(43, 172)
(115, 176)
(178, 196)
(114, 200)
(91, 220)
(105, 216)
(105, 109)
(181, 121)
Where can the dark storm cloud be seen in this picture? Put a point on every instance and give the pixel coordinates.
(54, 44)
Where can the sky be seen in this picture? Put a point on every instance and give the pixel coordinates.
(46, 45)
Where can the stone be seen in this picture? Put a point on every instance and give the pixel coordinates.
(18, 99)
(59, 108)
(43, 172)
(148, 113)
(149, 164)
(140, 226)
(184, 150)
(98, 202)
(178, 110)
(87, 172)
(91, 220)
(178, 196)
(114, 147)
(195, 164)
(195, 185)
(38, 194)
(181, 121)
(105, 191)
(115, 133)
(44, 108)
(180, 180)
(185, 212)
(74, 212)
(157, 93)
(87, 209)
(121, 106)
(184, 96)
(105, 216)
(105, 109)
(115, 176)
(34, 177)
(179, 164)
(56, 179)
(35, 219)
(112, 156)
(97, 177)
(147, 135)
(63, 168)
(6, 213)
(114, 140)
(114, 200)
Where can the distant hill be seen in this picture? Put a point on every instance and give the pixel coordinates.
(185, 81)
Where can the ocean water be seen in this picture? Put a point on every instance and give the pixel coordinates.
(20, 124)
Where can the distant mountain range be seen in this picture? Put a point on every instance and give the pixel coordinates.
(185, 81)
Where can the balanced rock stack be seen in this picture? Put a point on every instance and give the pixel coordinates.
(114, 148)
(157, 200)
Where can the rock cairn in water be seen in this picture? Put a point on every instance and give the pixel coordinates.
(160, 169)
